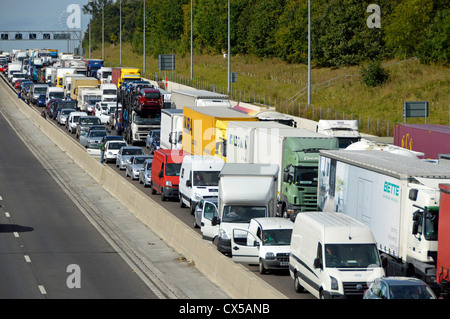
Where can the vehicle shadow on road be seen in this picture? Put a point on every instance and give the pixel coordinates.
(11, 228)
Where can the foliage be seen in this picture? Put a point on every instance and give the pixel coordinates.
(374, 74)
(278, 28)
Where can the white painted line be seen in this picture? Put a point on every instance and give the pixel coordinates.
(27, 258)
(1, 198)
(16, 234)
(42, 290)
(7, 214)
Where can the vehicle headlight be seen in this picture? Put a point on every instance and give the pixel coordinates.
(334, 283)
(223, 234)
(270, 256)
(168, 183)
(197, 197)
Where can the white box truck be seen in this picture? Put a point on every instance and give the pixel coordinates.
(396, 196)
(246, 191)
(109, 92)
(199, 179)
(346, 131)
(333, 256)
(182, 98)
(171, 129)
(294, 150)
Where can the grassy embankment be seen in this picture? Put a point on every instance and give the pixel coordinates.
(377, 109)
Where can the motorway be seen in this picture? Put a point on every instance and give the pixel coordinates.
(51, 199)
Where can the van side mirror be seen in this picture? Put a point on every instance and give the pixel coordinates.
(188, 183)
(317, 263)
(170, 138)
(215, 221)
(286, 177)
(160, 174)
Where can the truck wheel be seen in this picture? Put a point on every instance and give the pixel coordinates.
(297, 287)
(182, 205)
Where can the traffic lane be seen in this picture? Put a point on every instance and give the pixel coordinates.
(58, 235)
(279, 280)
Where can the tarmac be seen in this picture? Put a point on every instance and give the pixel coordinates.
(164, 270)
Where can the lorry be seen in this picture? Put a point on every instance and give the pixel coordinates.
(87, 98)
(81, 82)
(443, 253)
(346, 131)
(205, 129)
(104, 75)
(333, 256)
(182, 98)
(246, 191)
(109, 92)
(366, 144)
(124, 74)
(294, 150)
(92, 66)
(266, 114)
(397, 197)
(58, 76)
(67, 82)
(430, 139)
(171, 129)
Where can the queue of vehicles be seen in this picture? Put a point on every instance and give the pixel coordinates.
(266, 192)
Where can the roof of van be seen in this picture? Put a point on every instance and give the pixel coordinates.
(274, 223)
(336, 227)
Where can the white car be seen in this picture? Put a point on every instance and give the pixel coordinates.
(136, 164)
(111, 150)
(63, 115)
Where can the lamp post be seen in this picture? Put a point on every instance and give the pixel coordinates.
(192, 62)
(103, 32)
(229, 51)
(309, 52)
(143, 53)
(120, 32)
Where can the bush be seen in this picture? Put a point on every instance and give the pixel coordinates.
(374, 74)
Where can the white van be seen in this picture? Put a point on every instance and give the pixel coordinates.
(268, 243)
(72, 121)
(54, 92)
(199, 178)
(333, 255)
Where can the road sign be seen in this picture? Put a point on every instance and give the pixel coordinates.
(415, 109)
(166, 62)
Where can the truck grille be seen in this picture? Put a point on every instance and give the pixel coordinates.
(354, 289)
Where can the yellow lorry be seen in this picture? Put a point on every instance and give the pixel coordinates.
(123, 74)
(205, 129)
(82, 82)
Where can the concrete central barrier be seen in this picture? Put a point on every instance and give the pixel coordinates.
(234, 279)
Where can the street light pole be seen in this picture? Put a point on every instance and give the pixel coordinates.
(103, 32)
(120, 32)
(143, 67)
(192, 62)
(229, 51)
(309, 52)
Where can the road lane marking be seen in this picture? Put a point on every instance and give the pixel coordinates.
(27, 258)
(16, 234)
(7, 215)
(42, 290)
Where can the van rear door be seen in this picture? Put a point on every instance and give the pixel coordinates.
(244, 246)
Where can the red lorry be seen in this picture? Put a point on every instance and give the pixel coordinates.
(430, 139)
(443, 252)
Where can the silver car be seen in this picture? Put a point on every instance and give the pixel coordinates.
(399, 288)
(63, 115)
(136, 164)
(210, 210)
(124, 154)
(93, 138)
(145, 175)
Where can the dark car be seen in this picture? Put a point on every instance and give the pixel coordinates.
(399, 288)
(41, 100)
